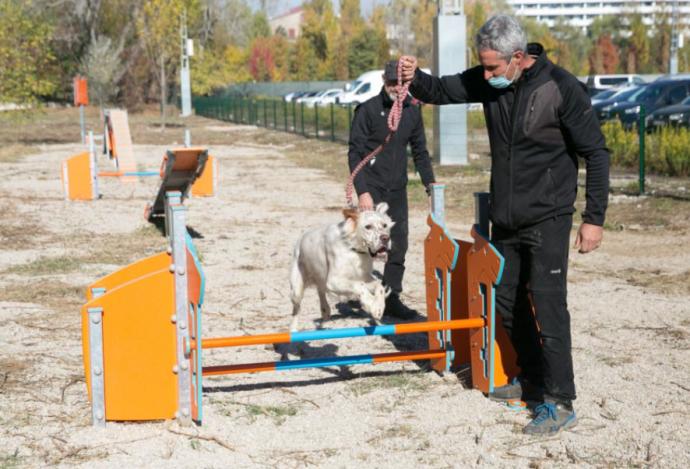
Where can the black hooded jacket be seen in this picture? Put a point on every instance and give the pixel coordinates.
(537, 129)
(389, 168)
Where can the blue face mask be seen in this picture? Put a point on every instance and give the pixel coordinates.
(502, 82)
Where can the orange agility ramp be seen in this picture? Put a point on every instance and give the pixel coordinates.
(118, 140)
(180, 169)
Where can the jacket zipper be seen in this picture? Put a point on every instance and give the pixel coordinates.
(529, 114)
(516, 104)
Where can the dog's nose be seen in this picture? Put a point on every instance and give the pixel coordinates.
(385, 238)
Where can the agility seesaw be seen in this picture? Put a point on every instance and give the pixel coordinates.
(143, 352)
(80, 174)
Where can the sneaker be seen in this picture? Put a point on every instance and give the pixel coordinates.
(519, 389)
(396, 308)
(550, 418)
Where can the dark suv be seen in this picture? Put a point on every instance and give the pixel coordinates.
(655, 95)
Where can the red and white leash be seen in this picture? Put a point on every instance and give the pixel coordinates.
(393, 122)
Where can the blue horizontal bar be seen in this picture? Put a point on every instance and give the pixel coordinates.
(322, 362)
(321, 334)
(142, 173)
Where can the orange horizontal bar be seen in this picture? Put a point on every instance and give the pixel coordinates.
(287, 337)
(409, 356)
(232, 369)
(322, 362)
(411, 328)
(111, 174)
(279, 338)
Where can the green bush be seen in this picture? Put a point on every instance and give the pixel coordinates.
(667, 151)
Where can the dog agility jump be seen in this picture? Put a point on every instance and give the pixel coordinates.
(143, 351)
(80, 173)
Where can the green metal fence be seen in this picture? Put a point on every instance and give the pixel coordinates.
(331, 122)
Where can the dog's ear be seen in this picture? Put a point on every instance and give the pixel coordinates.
(351, 213)
(351, 216)
(382, 207)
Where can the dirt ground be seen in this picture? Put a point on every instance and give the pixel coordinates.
(629, 302)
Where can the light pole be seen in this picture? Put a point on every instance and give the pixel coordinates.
(673, 56)
(187, 50)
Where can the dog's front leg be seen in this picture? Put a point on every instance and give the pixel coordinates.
(372, 297)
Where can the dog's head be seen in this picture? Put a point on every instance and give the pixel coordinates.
(370, 230)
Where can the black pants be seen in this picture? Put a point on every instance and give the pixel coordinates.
(397, 210)
(531, 299)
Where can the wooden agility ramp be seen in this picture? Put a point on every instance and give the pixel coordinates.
(179, 171)
(190, 170)
(118, 141)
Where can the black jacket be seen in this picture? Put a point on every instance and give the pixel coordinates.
(537, 128)
(389, 168)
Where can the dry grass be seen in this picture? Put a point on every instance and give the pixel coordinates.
(404, 382)
(15, 151)
(668, 284)
(17, 231)
(57, 295)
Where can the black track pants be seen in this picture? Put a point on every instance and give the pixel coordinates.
(397, 210)
(534, 286)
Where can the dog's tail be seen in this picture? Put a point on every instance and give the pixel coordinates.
(296, 286)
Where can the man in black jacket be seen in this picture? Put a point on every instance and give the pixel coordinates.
(539, 120)
(384, 178)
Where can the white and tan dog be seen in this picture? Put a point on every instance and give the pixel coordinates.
(338, 259)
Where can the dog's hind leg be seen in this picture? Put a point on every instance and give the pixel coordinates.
(325, 308)
(296, 293)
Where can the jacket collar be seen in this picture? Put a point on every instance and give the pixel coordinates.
(388, 102)
(537, 51)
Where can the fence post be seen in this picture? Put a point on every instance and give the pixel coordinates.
(301, 107)
(265, 114)
(641, 128)
(294, 116)
(285, 105)
(275, 114)
(349, 118)
(332, 122)
(316, 121)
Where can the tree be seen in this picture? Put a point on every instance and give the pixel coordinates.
(26, 61)
(423, 13)
(364, 52)
(637, 53)
(571, 48)
(262, 65)
(259, 26)
(101, 64)
(159, 29)
(661, 43)
(604, 56)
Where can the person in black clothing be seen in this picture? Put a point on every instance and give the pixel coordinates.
(539, 119)
(384, 178)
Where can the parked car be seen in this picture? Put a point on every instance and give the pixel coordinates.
(329, 96)
(603, 108)
(676, 115)
(366, 86)
(597, 83)
(654, 96)
(604, 95)
(306, 96)
(293, 96)
(312, 99)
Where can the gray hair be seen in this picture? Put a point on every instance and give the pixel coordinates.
(503, 34)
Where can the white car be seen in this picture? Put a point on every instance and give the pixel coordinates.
(329, 96)
(306, 97)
